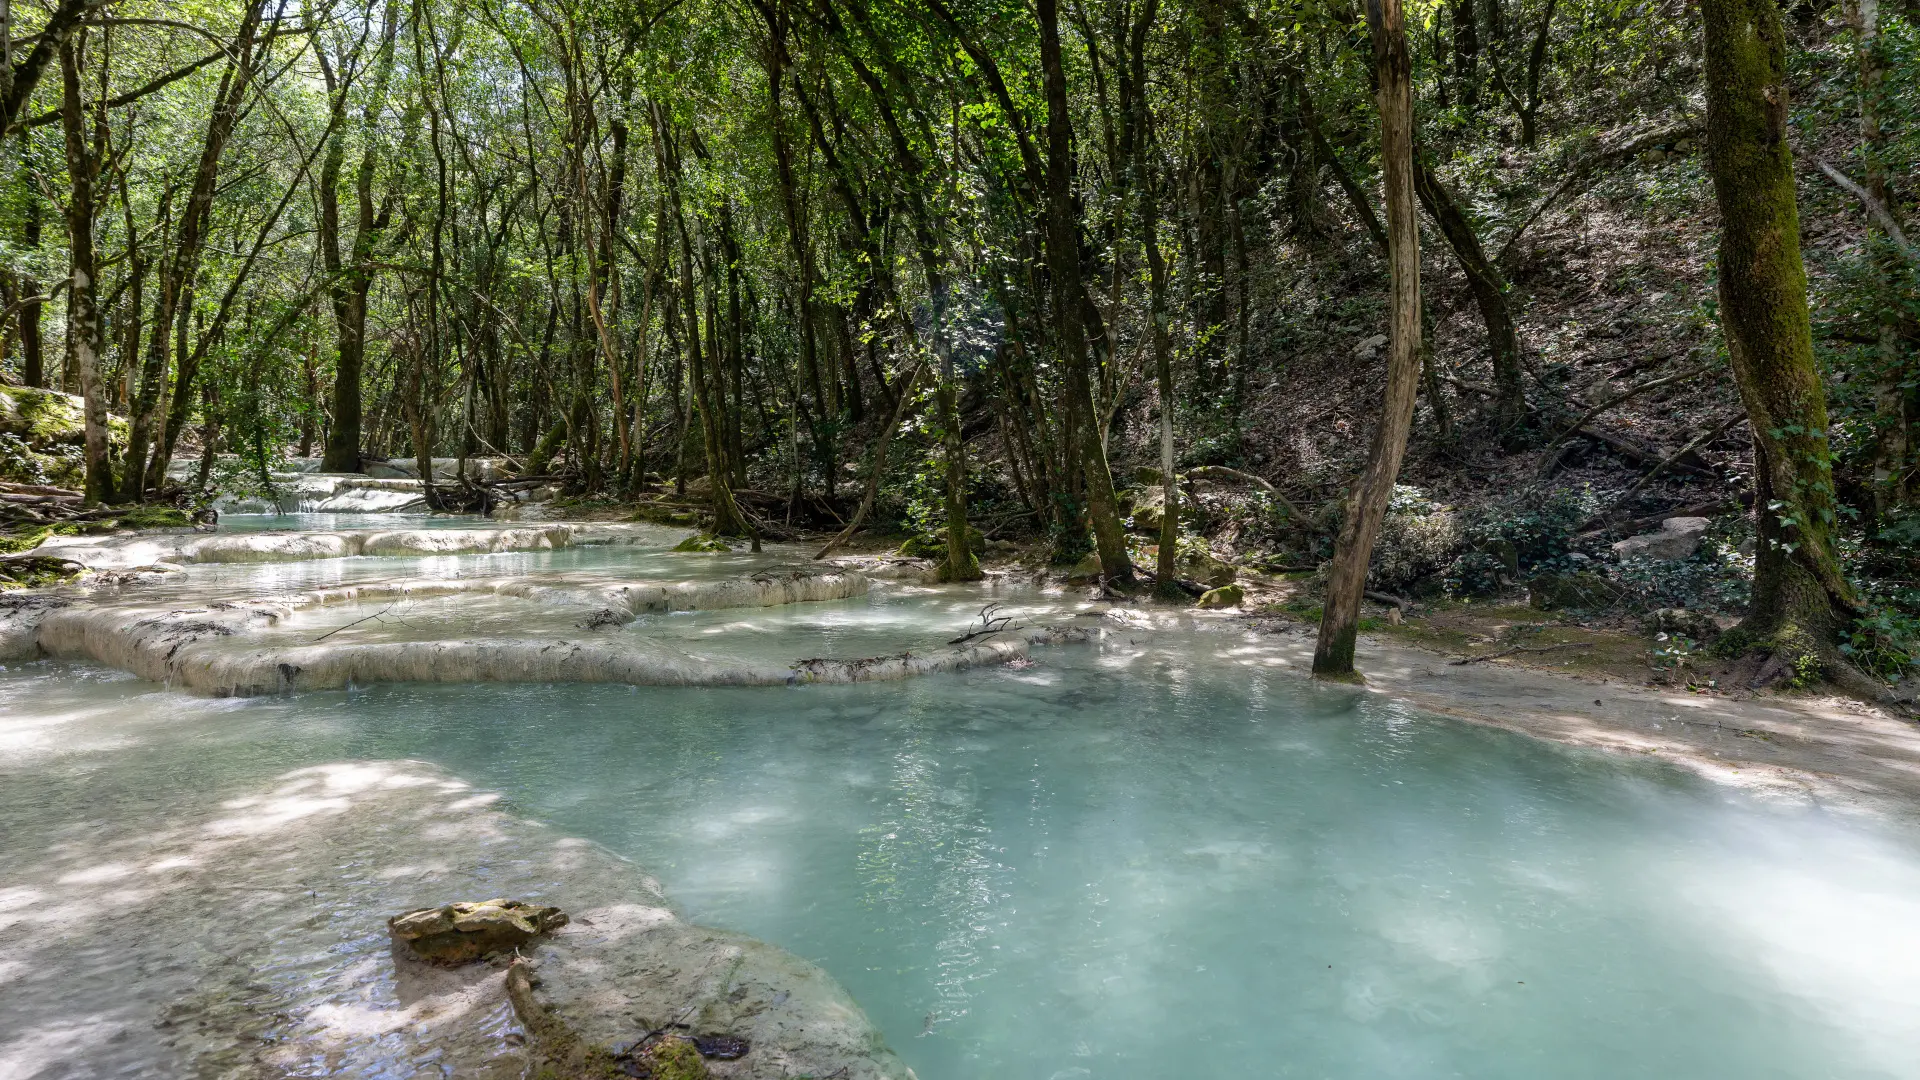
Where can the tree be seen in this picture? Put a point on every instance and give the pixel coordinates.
(1801, 600)
(86, 150)
(1367, 504)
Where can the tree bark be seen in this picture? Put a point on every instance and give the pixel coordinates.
(1347, 582)
(1063, 267)
(1801, 600)
(83, 312)
(1489, 288)
(32, 344)
(178, 270)
(351, 272)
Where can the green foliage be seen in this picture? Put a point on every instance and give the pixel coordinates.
(1514, 538)
(1885, 640)
(1416, 543)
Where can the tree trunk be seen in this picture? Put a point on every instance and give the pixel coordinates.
(1340, 618)
(1800, 598)
(32, 345)
(83, 312)
(1167, 560)
(1063, 267)
(182, 265)
(1489, 289)
(1466, 56)
(351, 273)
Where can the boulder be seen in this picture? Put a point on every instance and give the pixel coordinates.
(1575, 590)
(1370, 348)
(1204, 568)
(1677, 538)
(934, 546)
(1226, 596)
(463, 932)
(1149, 507)
(1086, 571)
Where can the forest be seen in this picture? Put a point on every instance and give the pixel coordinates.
(1436, 301)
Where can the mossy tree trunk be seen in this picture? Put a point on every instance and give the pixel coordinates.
(84, 155)
(350, 275)
(1167, 562)
(1800, 598)
(1353, 550)
(1069, 302)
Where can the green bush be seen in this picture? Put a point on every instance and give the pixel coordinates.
(1417, 541)
(1885, 643)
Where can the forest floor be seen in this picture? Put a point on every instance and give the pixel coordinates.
(1834, 751)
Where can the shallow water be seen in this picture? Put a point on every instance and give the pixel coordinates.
(321, 522)
(1139, 860)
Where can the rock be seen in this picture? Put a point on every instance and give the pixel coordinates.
(1370, 347)
(709, 545)
(1576, 590)
(464, 932)
(669, 1057)
(1149, 507)
(1086, 571)
(1677, 538)
(1226, 596)
(1693, 624)
(1204, 568)
(924, 546)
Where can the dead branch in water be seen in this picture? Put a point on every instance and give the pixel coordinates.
(353, 624)
(989, 624)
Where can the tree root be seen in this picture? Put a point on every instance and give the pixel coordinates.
(558, 1051)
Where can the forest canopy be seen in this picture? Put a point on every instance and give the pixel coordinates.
(821, 263)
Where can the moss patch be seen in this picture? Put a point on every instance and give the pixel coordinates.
(154, 517)
(1225, 596)
(664, 515)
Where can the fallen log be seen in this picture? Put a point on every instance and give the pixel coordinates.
(10, 488)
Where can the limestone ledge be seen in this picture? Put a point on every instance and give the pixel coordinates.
(126, 552)
(207, 649)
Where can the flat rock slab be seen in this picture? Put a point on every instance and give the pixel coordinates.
(237, 931)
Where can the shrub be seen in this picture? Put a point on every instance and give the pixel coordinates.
(1513, 538)
(1417, 541)
(1885, 642)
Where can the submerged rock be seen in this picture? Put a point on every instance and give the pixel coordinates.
(669, 1057)
(463, 932)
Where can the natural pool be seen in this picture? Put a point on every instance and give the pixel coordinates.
(1153, 857)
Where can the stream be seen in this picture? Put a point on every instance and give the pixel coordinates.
(1160, 855)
